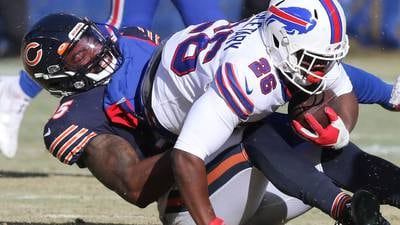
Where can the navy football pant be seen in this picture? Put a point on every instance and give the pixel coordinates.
(290, 172)
(353, 169)
(272, 146)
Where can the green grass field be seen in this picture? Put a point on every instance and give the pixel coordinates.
(35, 188)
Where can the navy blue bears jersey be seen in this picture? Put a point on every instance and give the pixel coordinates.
(78, 119)
(81, 117)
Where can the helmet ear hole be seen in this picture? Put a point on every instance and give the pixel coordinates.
(315, 14)
(276, 41)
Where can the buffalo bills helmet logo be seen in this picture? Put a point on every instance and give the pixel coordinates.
(294, 18)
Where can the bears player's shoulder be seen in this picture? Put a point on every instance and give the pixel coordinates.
(77, 120)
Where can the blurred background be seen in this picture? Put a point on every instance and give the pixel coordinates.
(34, 187)
(372, 23)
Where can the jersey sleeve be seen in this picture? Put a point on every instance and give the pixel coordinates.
(338, 81)
(368, 88)
(249, 88)
(66, 143)
(208, 125)
(77, 120)
(230, 87)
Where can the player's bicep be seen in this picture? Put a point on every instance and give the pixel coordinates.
(107, 154)
(208, 125)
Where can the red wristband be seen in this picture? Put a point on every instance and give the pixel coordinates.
(217, 221)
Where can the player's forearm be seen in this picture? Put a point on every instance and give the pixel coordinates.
(349, 110)
(152, 178)
(190, 175)
(115, 163)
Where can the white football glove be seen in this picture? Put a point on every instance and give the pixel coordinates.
(395, 96)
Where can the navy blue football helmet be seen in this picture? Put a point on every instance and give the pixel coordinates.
(66, 54)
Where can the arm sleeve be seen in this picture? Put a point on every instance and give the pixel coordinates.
(338, 81)
(132, 13)
(208, 125)
(368, 88)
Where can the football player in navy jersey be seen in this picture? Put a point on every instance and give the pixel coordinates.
(73, 59)
(77, 63)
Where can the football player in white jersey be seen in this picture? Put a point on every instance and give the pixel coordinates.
(242, 188)
(217, 76)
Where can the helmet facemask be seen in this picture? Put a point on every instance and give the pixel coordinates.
(90, 58)
(304, 53)
(307, 70)
(68, 55)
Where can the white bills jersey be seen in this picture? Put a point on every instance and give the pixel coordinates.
(215, 76)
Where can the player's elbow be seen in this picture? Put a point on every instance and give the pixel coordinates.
(136, 198)
(142, 203)
(178, 160)
(184, 162)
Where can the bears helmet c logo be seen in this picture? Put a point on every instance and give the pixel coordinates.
(38, 56)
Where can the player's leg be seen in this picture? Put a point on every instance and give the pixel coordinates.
(277, 208)
(195, 12)
(132, 13)
(291, 173)
(390, 10)
(235, 188)
(15, 95)
(351, 168)
(15, 92)
(354, 169)
(296, 176)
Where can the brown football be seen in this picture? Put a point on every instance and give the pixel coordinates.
(313, 104)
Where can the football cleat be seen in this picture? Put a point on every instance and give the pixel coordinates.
(13, 103)
(363, 210)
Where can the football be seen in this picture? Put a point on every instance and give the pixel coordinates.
(313, 104)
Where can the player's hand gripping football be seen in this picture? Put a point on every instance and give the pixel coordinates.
(335, 135)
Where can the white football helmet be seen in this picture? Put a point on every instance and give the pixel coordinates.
(305, 40)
